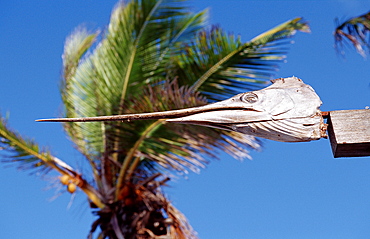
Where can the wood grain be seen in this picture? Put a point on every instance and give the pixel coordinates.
(349, 133)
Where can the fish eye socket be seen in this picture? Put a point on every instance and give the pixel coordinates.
(250, 97)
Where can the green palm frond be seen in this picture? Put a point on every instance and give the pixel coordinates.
(134, 52)
(75, 47)
(355, 31)
(27, 153)
(220, 65)
(282, 31)
(30, 156)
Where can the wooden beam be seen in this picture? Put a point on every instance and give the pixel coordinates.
(349, 133)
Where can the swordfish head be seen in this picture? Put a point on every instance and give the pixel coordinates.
(288, 111)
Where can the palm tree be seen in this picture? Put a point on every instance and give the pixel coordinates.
(155, 55)
(355, 31)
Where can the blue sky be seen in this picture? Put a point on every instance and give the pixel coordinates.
(288, 190)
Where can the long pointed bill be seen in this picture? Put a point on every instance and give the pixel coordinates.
(172, 114)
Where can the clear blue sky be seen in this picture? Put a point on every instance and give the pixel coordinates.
(289, 190)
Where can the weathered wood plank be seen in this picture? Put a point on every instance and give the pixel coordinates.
(349, 133)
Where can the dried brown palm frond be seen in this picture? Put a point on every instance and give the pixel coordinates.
(355, 31)
(172, 146)
(143, 211)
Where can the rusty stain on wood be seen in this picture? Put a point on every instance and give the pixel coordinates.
(349, 133)
(325, 114)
